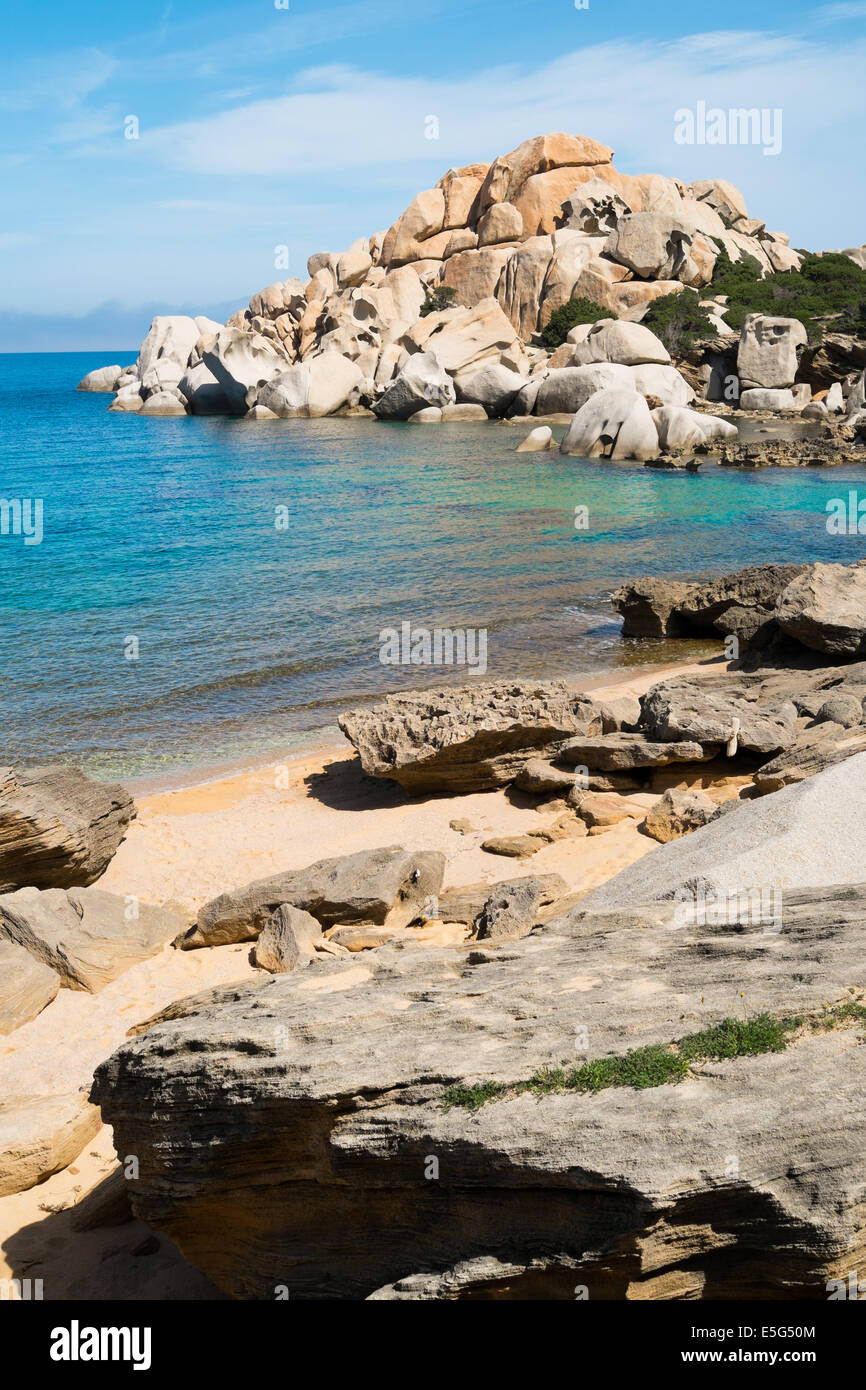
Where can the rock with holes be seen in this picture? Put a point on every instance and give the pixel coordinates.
(613, 424)
(467, 738)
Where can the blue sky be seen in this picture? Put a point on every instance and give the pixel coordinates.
(305, 126)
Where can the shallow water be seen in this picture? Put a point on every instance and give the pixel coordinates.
(251, 638)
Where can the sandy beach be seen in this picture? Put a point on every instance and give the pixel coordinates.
(189, 844)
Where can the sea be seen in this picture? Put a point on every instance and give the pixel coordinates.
(203, 593)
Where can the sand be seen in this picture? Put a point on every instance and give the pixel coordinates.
(186, 846)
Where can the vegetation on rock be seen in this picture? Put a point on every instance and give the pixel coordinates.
(679, 321)
(827, 293)
(436, 300)
(568, 316)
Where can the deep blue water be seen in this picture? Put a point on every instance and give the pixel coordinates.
(250, 637)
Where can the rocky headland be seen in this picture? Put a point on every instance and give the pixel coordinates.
(517, 289)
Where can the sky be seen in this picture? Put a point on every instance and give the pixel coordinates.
(306, 124)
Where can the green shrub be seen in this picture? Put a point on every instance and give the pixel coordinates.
(567, 316)
(678, 320)
(827, 293)
(436, 300)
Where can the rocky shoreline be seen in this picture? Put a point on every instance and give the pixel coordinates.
(367, 1011)
(442, 318)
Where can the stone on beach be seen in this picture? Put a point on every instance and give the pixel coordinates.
(677, 813)
(467, 738)
(26, 986)
(41, 1136)
(58, 827)
(87, 936)
(382, 887)
(288, 939)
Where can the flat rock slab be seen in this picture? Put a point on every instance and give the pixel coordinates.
(88, 937)
(382, 887)
(809, 834)
(26, 986)
(621, 752)
(58, 828)
(39, 1137)
(309, 1114)
(467, 739)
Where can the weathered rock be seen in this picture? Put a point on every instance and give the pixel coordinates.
(567, 389)
(704, 710)
(763, 398)
(650, 607)
(511, 911)
(624, 1192)
(652, 244)
(843, 708)
(601, 809)
(543, 779)
(512, 846)
(422, 383)
(240, 361)
(620, 713)
(825, 609)
(817, 748)
(767, 354)
(470, 738)
(626, 344)
(494, 387)
(621, 752)
(537, 441)
(677, 813)
(594, 207)
(41, 1136)
(163, 403)
(461, 412)
(384, 887)
(87, 936)
(740, 603)
(465, 904)
(202, 392)
(288, 940)
(165, 352)
(318, 386)
(26, 986)
(802, 836)
(613, 424)
(102, 379)
(58, 828)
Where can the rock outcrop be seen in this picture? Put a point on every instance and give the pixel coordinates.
(511, 242)
(469, 738)
(58, 828)
(320, 1141)
(802, 836)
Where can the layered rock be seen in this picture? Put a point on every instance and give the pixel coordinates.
(382, 887)
(86, 936)
(470, 738)
(285, 1135)
(58, 828)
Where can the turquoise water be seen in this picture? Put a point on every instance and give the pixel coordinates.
(252, 638)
